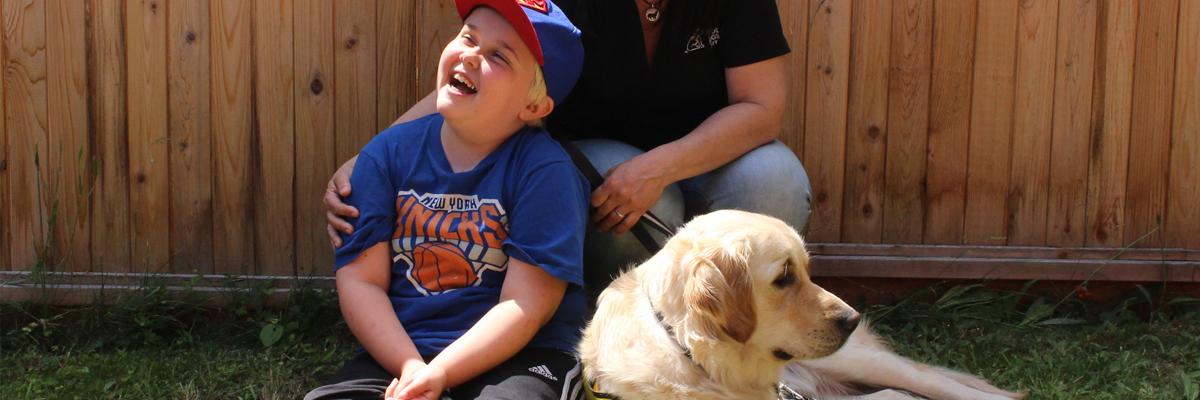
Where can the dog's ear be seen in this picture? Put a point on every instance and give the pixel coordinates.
(720, 292)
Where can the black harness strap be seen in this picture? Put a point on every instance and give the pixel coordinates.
(595, 180)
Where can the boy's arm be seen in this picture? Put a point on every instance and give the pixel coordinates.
(362, 295)
(528, 299)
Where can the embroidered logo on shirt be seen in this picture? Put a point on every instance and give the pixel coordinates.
(697, 40)
(539, 5)
(447, 241)
(694, 42)
(543, 371)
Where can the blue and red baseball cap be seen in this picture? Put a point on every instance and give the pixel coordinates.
(549, 35)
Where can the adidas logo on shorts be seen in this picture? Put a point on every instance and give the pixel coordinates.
(543, 371)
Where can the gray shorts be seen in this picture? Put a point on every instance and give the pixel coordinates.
(531, 374)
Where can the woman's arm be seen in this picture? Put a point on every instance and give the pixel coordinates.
(426, 106)
(528, 300)
(757, 97)
(339, 184)
(362, 295)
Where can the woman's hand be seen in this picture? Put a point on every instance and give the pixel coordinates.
(427, 383)
(336, 210)
(629, 190)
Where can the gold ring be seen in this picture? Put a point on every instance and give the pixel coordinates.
(619, 215)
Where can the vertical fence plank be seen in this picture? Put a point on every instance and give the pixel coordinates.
(68, 180)
(949, 119)
(1072, 116)
(25, 113)
(1112, 95)
(439, 23)
(275, 118)
(398, 87)
(866, 134)
(149, 169)
(908, 121)
(5, 238)
(106, 90)
(825, 125)
(233, 222)
(794, 16)
(1154, 77)
(1183, 213)
(1030, 174)
(314, 132)
(355, 75)
(991, 123)
(188, 74)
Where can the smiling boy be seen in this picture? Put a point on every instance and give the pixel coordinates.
(463, 276)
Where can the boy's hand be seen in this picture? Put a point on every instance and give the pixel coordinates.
(339, 187)
(427, 384)
(409, 369)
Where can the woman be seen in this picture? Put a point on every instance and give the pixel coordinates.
(681, 102)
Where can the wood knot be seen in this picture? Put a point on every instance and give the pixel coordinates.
(873, 132)
(183, 145)
(154, 7)
(141, 177)
(3, 165)
(316, 86)
(190, 37)
(867, 210)
(822, 197)
(351, 42)
(828, 70)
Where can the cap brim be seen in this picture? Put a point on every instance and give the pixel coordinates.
(514, 14)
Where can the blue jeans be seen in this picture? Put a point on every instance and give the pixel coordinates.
(767, 180)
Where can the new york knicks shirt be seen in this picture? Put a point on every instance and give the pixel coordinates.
(451, 234)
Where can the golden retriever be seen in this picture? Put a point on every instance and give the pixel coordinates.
(727, 311)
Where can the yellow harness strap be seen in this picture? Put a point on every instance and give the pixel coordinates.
(592, 392)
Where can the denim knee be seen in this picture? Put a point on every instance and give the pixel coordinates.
(768, 180)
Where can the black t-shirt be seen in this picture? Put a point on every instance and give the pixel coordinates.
(619, 96)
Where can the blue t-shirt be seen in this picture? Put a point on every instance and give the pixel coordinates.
(451, 234)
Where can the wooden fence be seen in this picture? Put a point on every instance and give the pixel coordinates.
(197, 136)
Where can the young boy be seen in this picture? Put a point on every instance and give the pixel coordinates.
(463, 275)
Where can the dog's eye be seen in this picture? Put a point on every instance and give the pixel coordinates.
(785, 279)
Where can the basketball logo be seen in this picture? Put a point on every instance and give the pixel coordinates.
(445, 242)
(440, 266)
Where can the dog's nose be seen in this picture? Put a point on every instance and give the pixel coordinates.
(848, 321)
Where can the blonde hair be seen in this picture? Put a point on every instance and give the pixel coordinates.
(537, 93)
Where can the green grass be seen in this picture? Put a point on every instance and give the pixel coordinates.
(1054, 348)
(151, 346)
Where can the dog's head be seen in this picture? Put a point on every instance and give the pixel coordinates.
(743, 277)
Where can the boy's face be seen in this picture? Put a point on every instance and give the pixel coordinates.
(485, 73)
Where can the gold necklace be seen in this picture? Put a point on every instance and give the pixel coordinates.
(653, 13)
